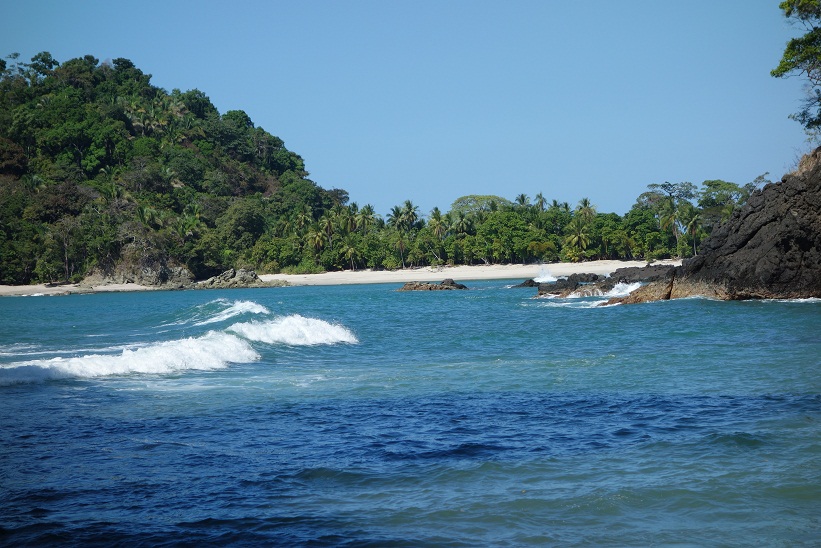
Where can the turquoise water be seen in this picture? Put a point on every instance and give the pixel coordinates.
(359, 415)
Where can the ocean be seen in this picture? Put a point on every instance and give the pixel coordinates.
(364, 416)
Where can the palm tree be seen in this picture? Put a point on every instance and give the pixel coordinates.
(326, 224)
(692, 224)
(365, 218)
(578, 235)
(350, 250)
(302, 219)
(461, 224)
(316, 239)
(349, 218)
(193, 209)
(410, 213)
(146, 215)
(186, 226)
(395, 218)
(669, 220)
(586, 210)
(401, 245)
(522, 200)
(541, 201)
(436, 223)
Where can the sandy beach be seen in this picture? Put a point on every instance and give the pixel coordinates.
(425, 274)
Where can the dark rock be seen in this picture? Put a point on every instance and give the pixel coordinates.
(528, 283)
(769, 249)
(565, 286)
(232, 279)
(150, 273)
(633, 274)
(446, 284)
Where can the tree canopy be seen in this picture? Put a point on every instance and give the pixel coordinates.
(100, 170)
(803, 56)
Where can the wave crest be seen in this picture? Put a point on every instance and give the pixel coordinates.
(214, 350)
(232, 310)
(294, 330)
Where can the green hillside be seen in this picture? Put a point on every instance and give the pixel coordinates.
(100, 171)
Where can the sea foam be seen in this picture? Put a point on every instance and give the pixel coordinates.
(214, 350)
(294, 330)
(232, 309)
(622, 289)
(544, 277)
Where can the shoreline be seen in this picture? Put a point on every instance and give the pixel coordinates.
(356, 277)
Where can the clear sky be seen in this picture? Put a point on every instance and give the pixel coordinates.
(431, 100)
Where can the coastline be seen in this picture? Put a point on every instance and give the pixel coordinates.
(351, 277)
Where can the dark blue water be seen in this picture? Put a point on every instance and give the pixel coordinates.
(360, 415)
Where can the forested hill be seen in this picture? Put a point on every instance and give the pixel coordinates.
(98, 166)
(100, 171)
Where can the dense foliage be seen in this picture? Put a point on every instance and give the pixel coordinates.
(100, 170)
(803, 56)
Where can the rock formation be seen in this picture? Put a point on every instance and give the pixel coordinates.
(150, 273)
(565, 286)
(428, 286)
(769, 249)
(591, 285)
(234, 278)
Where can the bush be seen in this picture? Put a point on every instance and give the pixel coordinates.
(306, 266)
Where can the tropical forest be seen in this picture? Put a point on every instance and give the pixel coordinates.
(102, 171)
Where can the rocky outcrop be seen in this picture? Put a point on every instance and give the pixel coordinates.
(566, 286)
(528, 283)
(446, 284)
(231, 279)
(158, 275)
(769, 249)
(591, 285)
(649, 273)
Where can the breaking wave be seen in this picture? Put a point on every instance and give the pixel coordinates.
(623, 289)
(294, 330)
(544, 277)
(232, 310)
(214, 350)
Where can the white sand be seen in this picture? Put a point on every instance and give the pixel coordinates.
(427, 274)
(458, 273)
(67, 289)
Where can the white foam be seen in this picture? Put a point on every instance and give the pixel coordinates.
(622, 289)
(294, 330)
(214, 350)
(17, 349)
(544, 277)
(234, 309)
(572, 303)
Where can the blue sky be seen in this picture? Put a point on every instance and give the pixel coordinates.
(431, 100)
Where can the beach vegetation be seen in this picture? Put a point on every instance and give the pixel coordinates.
(100, 168)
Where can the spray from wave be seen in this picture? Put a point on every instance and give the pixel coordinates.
(622, 289)
(544, 277)
(214, 350)
(294, 330)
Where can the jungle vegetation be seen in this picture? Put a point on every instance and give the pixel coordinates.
(100, 169)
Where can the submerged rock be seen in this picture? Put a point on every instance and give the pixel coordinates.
(528, 283)
(769, 249)
(446, 284)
